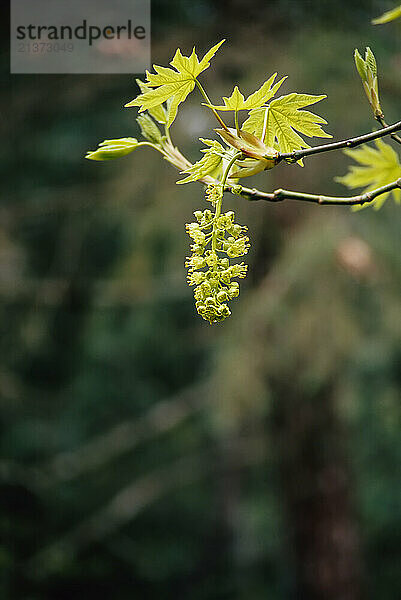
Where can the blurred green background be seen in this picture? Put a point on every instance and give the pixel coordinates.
(144, 453)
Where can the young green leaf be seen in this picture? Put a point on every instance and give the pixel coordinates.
(367, 69)
(149, 129)
(360, 65)
(266, 91)
(237, 101)
(378, 166)
(110, 149)
(371, 61)
(159, 113)
(234, 102)
(208, 164)
(256, 121)
(283, 118)
(388, 16)
(249, 145)
(174, 84)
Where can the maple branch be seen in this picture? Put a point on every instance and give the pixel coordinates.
(350, 143)
(280, 195)
(383, 123)
(174, 156)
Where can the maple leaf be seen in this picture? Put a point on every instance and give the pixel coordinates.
(159, 112)
(237, 101)
(173, 84)
(208, 164)
(284, 119)
(379, 166)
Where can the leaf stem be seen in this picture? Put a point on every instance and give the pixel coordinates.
(228, 168)
(167, 132)
(151, 145)
(209, 102)
(264, 131)
(350, 143)
(220, 200)
(236, 122)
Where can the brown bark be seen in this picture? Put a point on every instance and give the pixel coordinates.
(317, 488)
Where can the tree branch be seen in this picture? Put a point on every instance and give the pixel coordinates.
(383, 123)
(350, 143)
(279, 195)
(180, 162)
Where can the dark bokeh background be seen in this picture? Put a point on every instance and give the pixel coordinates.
(145, 454)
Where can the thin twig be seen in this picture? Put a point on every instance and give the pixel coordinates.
(350, 143)
(383, 123)
(180, 162)
(209, 104)
(280, 195)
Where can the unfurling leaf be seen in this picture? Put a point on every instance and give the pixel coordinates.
(208, 164)
(388, 16)
(367, 69)
(378, 166)
(248, 144)
(371, 61)
(251, 166)
(360, 65)
(174, 84)
(110, 149)
(283, 118)
(149, 129)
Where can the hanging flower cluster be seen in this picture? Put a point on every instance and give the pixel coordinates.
(216, 240)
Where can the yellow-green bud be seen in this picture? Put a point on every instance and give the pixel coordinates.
(110, 149)
(367, 69)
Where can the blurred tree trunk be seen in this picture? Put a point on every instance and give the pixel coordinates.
(316, 488)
